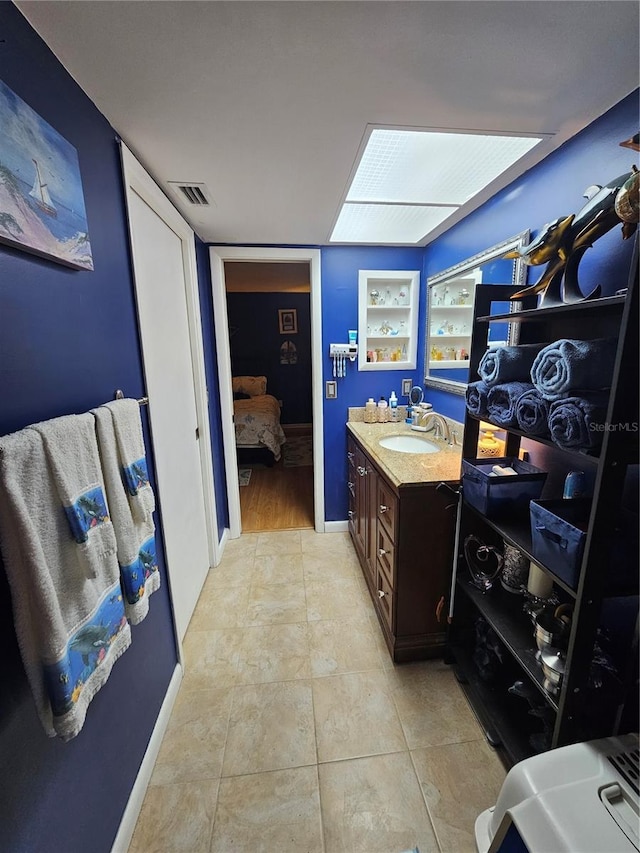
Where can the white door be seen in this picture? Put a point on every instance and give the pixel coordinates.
(164, 267)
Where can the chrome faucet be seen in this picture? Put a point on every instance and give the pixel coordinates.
(432, 420)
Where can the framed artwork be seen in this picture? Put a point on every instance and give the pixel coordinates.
(288, 320)
(288, 353)
(41, 199)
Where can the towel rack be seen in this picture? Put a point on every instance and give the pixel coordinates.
(119, 395)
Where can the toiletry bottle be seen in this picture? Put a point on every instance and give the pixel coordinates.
(393, 405)
(574, 485)
(370, 411)
(382, 410)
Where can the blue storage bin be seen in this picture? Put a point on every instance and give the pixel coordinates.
(496, 496)
(558, 534)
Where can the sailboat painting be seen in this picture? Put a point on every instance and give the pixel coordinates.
(42, 207)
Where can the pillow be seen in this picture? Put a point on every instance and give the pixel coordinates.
(254, 386)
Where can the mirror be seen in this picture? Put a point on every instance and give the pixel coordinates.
(450, 312)
(416, 396)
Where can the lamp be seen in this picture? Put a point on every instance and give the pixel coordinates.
(488, 444)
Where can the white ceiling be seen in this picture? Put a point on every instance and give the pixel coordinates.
(267, 103)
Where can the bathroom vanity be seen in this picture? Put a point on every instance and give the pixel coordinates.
(402, 526)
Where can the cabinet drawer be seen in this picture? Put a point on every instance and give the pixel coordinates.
(386, 553)
(384, 594)
(387, 508)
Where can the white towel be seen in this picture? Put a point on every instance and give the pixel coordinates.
(72, 456)
(135, 539)
(131, 453)
(70, 624)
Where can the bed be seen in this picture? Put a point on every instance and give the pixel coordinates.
(256, 416)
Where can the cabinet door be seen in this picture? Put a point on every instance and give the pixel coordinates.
(371, 510)
(359, 492)
(351, 488)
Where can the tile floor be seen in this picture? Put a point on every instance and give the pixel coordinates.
(294, 732)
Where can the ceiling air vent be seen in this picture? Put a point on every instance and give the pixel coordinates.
(194, 193)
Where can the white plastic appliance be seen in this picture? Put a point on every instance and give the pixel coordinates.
(581, 798)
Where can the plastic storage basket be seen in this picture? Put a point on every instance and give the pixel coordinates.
(495, 496)
(558, 534)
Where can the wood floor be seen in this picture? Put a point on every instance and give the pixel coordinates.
(277, 498)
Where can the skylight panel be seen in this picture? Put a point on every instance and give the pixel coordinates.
(408, 180)
(387, 223)
(434, 168)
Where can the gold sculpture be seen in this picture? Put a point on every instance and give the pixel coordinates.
(562, 243)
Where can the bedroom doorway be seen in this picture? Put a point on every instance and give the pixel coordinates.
(269, 318)
(267, 323)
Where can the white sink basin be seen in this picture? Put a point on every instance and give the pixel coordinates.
(408, 444)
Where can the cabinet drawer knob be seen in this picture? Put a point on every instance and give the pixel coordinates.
(381, 593)
(350, 456)
(384, 508)
(351, 513)
(362, 471)
(381, 552)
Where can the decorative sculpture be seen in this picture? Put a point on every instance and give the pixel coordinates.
(562, 243)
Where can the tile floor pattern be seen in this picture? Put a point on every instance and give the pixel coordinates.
(294, 732)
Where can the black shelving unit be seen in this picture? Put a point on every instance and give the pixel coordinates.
(592, 702)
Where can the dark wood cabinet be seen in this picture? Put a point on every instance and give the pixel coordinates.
(598, 695)
(404, 540)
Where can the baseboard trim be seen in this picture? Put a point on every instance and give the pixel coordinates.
(223, 544)
(136, 798)
(336, 526)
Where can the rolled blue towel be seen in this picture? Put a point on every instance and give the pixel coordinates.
(476, 396)
(567, 366)
(532, 413)
(502, 402)
(508, 364)
(577, 422)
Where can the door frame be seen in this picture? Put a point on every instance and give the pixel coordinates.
(137, 180)
(218, 256)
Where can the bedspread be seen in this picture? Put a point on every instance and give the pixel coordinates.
(257, 423)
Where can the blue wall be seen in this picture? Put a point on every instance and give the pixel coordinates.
(68, 339)
(339, 271)
(551, 189)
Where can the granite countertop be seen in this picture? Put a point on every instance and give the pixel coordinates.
(407, 469)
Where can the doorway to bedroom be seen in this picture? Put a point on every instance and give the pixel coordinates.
(269, 324)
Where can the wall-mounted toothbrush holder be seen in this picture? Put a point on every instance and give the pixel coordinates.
(341, 353)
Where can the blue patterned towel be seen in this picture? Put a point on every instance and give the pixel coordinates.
(568, 366)
(508, 364)
(502, 402)
(131, 452)
(70, 622)
(139, 573)
(476, 396)
(532, 413)
(576, 422)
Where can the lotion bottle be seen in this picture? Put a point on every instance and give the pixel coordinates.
(393, 405)
(382, 410)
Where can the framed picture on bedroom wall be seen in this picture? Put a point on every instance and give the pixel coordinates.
(288, 321)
